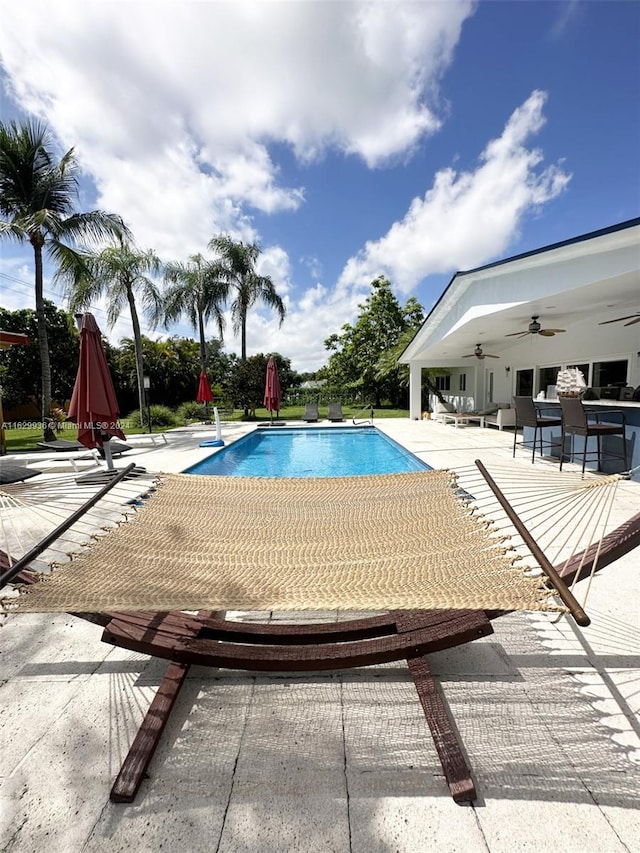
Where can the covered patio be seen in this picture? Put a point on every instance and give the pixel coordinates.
(583, 287)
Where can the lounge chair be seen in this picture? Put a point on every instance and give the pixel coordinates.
(10, 472)
(76, 458)
(184, 638)
(62, 445)
(335, 412)
(310, 413)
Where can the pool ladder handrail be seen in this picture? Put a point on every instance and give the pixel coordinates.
(368, 420)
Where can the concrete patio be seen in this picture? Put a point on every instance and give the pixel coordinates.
(342, 762)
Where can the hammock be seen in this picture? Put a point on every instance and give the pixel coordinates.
(423, 540)
(399, 541)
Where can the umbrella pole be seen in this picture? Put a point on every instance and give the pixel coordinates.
(107, 455)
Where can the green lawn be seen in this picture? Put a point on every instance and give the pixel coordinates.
(28, 438)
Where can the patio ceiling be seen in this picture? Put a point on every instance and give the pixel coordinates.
(592, 278)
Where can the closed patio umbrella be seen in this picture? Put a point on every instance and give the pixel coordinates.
(272, 392)
(205, 394)
(94, 407)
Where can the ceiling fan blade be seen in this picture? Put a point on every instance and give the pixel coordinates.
(637, 320)
(518, 334)
(555, 331)
(491, 356)
(634, 317)
(471, 355)
(546, 333)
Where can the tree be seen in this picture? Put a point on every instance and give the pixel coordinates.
(172, 366)
(195, 292)
(246, 383)
(119, 272)
(236, 270)
(357, 350)
(20, 366)
(38, 194)
(387, 364)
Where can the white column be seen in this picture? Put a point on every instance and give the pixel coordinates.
(415, 391)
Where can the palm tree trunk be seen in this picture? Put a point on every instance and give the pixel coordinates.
(43, 339)
(243, 335)
(243, 347)
(432, 388)
(203, 357)
(137, 343)
(203, 349)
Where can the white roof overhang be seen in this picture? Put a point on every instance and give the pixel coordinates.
(594, 276)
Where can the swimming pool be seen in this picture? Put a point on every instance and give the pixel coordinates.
(311, 452)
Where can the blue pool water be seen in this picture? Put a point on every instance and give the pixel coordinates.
(311, 452)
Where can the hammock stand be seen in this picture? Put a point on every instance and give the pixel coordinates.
(209, 639)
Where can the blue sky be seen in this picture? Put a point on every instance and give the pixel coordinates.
(348, 139)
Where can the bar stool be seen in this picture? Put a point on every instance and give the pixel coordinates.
(529, 415)
(576, 421)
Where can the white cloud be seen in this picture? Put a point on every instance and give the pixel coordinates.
(466, 218)
(176, 110)
(172, 105)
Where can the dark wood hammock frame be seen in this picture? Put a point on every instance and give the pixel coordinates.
(409, 635)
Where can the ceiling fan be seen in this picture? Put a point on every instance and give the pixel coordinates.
(535, 328)
(479, 354)
(634, 318)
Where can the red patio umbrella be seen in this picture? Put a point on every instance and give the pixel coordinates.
(272, 392)
(205, 394)
(94, 407)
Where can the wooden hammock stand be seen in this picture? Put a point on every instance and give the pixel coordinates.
(410, 635)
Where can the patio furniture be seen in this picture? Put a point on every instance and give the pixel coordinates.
(62, 445)
(10, 472)
(504, 417)
(76, 458)
(334, 412)
(441, 409)
(531, 416)
(461, 418)
(153, 438)
(310, 413)
(579, 421)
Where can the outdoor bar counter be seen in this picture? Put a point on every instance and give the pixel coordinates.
(551, 436)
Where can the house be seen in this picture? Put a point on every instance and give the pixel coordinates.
(507, 328)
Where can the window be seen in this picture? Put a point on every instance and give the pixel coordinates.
(609, 373)
(462, 382)
(443, 383)
(547, 376)
(524, 383)
(584, 369)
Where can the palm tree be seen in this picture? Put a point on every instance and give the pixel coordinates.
(195, 292)
(236, 271)
(117, 272)
(387, 365)
(37, 200)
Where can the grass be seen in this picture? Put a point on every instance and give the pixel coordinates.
(27, 438)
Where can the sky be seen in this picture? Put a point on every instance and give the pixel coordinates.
(348, 139)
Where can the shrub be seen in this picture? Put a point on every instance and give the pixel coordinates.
(161, 416)
(191, 412)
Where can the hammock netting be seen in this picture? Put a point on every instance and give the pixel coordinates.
(397, 541)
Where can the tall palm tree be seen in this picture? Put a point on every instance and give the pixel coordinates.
(119, 272)
(38, 194)
(236, 269)
(194, 292)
